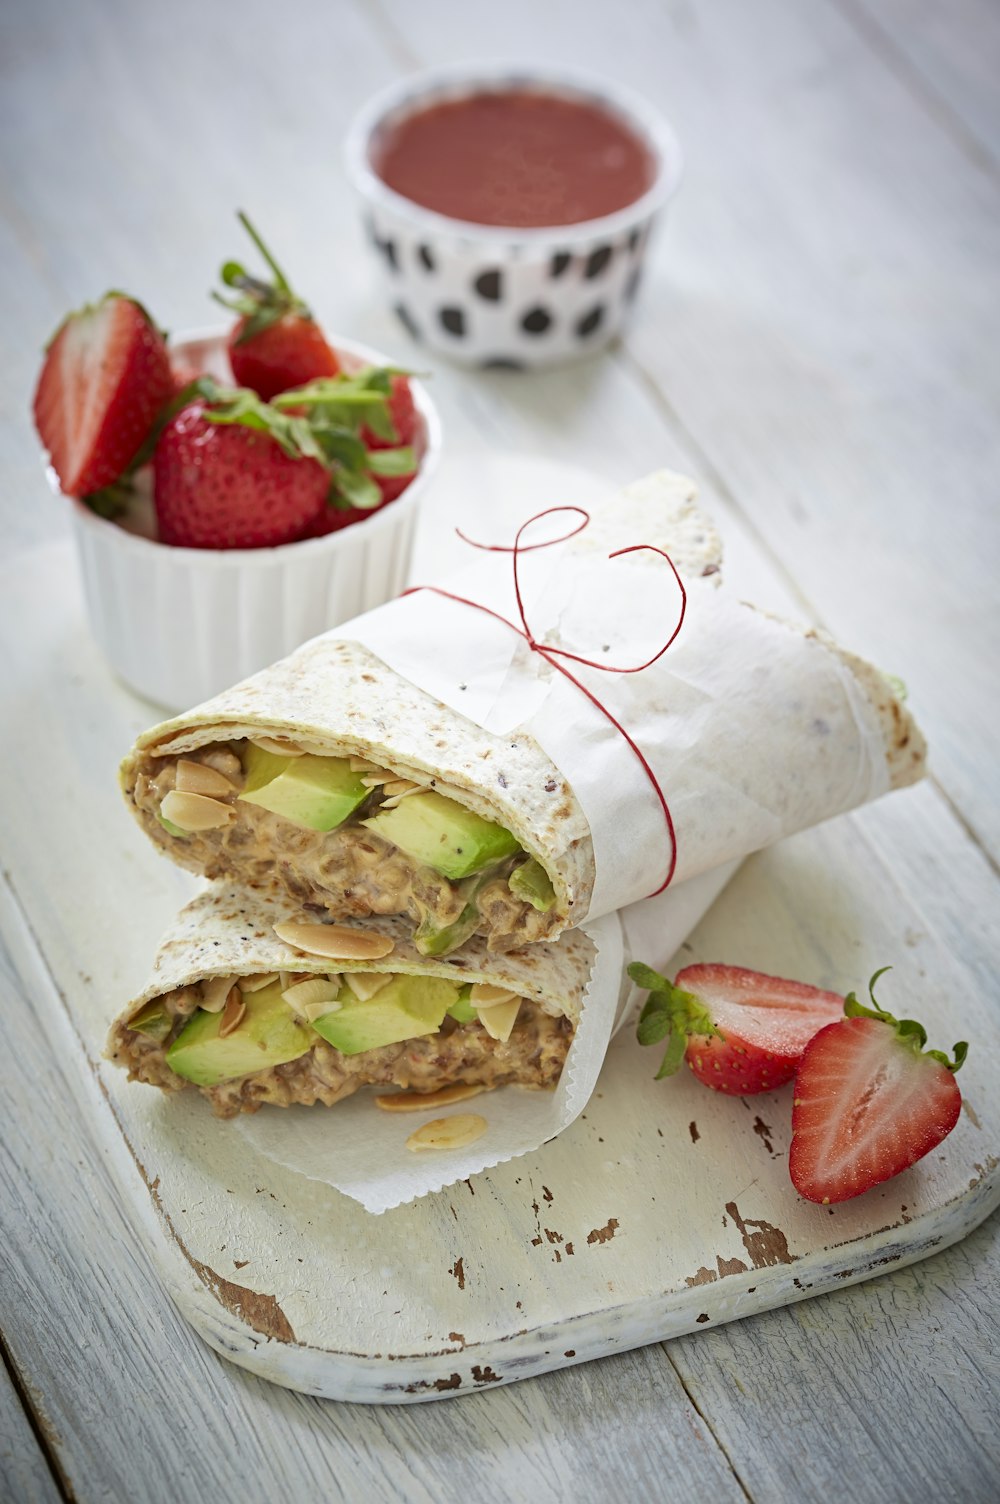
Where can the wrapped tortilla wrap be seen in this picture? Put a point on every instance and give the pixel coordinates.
(309, 1012)
(424, 760)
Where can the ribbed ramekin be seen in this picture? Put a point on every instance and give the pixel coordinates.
(180, 624)
(484, 295)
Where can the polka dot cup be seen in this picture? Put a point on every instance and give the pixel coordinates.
(484, 295)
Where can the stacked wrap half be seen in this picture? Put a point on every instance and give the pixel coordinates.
(425, 778)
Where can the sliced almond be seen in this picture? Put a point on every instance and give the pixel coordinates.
(365, 984)
(415, 1101)
(499, 1020)
(258, 983)
(380, 776)
(277, 748)
(338, 941)
(485, 995)
(448, 1133)
(214, 993)
(397, 786)
(199, 778)
(317, 991)
(313, 1011)
(233, 1013)
(195, 812)
(362, 765)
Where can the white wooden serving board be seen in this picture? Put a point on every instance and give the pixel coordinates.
(664, 1209)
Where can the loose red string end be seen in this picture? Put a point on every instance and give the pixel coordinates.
(552, 655)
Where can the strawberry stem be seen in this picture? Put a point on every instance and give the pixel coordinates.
(669, 1013)
(280, 279)
(909, 1031)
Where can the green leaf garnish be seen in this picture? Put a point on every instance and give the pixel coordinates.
(668, 1013)
(908, 1030)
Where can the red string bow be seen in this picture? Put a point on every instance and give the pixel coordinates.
(553, 655)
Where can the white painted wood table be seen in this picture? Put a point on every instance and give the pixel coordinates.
(816, 343)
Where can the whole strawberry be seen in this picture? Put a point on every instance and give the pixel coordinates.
(236, 474)
(105, 379)
(869, 1102)
(276, 344)
(741, 1032)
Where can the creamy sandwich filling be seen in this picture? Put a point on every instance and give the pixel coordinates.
(350, 836)
(296, 1037)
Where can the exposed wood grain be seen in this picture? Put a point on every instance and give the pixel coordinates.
(948, 56)
(921, 1333)
(24, 1472)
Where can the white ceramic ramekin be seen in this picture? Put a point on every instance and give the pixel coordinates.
(179, 624)
(488, 296)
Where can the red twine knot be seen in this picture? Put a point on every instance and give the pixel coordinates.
(552, 655)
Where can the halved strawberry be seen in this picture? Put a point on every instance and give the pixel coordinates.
(235, 473)
(741, 1032)
(105, 379)
(276, 344)
(869, 1102)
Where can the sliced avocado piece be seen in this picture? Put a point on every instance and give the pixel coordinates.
(406, 1008)
(152, 1019)
(171, 828)
(431, 941)
(531, 884)
(317, 793)
(443, 834)
(270, 1034)
(461, 1009)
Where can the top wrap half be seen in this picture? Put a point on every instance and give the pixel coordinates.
(424, 760)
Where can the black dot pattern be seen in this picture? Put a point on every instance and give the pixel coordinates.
(598, 261)
(632, 285)
(536, 320)
(453, 320)
(489, 285)
(426, 258)
(591, 321)
(407, 320)
(559, 263)
(501, 363)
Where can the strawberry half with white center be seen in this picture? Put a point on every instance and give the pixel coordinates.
(235, 473)
(869, 1102)
(105, 379)
(741, 1032)
(276, 344)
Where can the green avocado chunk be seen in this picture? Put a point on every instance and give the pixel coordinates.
(317, 793)
(270, 1034)
(171, 828)
(531, 884)
(443, 834)
(461, 1009)
(152, 1019)
(404, 1009)
(431, 941)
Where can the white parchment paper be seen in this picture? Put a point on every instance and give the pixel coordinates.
(753, 729)
(362, 1151)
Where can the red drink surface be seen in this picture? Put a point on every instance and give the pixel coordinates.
(515, 158)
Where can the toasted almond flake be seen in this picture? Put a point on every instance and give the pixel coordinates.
(415, 1101)
(499, 1020)
(195, 811)
(448, 1133)
(338, 941)
(277, 748)
(303, 995)
(365, 984)
(373, 780)
(485, 995)
(214, 993)
(233, 1013)
(258, 983)
(199, 778)
(415, 788)
(399, 786)
(313, 1011)
(362, 765)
